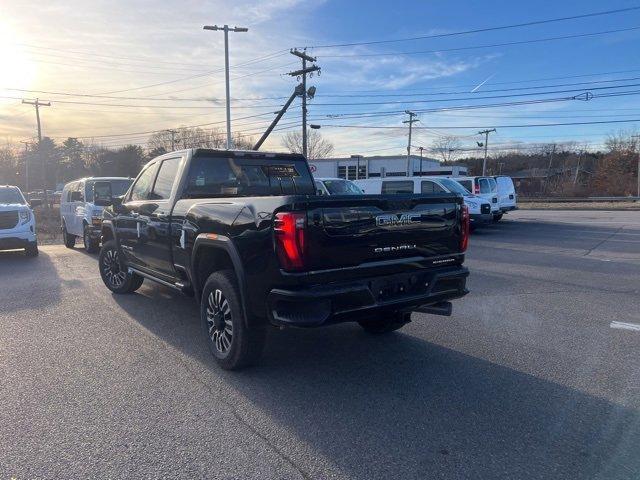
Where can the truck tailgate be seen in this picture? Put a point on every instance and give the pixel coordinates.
(354, 230)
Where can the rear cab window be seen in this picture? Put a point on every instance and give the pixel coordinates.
(431, 187)
(468, 184)
(485, 187)
(230, 176)
(397, 186)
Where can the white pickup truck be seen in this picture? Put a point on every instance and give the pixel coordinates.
(479, 208)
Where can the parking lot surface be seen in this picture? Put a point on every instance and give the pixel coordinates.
(535, 375)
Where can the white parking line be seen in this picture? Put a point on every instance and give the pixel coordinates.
(626, 326)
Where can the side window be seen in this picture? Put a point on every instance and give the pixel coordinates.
(397, 186)
(140, 190)
(67, 193)
(468, 184)
(167, 175)
(431, 187)
(79, 189)
(484, 185)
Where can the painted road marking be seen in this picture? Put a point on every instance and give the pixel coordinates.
(626, 326)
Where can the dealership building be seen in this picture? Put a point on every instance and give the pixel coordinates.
(357, 166)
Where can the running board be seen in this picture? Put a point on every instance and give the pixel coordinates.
(441, 308)
(181, 286)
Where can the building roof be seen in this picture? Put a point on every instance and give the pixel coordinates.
(376, 157)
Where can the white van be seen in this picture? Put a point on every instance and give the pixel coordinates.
(507, 197)
(336, 186)
(485, 187)
(80, 216)
(479, 208)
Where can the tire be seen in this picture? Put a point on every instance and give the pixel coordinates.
(232, 343)
(90, 245)
(498, 217)
(68, 239)
(114, 272)
(385, 323)
(31, 250)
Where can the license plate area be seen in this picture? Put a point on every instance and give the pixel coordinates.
(399, 286)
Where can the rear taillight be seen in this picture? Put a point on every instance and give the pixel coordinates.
(289, 228)
(464, 227)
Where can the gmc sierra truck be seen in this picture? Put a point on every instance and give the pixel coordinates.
(247, 234)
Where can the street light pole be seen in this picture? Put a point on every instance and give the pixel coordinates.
(226, 30)
(637, 137)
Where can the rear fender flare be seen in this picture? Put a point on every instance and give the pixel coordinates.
(222, 243)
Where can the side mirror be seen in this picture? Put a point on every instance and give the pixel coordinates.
(102, 194)
(116, 204)
(35, 202)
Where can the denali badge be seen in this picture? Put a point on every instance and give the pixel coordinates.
(394, 249)
(393, 220)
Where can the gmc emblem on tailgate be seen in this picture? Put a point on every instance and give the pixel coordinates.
(397, 220)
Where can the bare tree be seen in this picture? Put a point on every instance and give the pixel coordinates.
(186, 137)
(622, 141)
(446, 147)
(317, 147)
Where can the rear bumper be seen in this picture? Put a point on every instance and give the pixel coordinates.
(509, 208)
(479, 218)
(351, 301)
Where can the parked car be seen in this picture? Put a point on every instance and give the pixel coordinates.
(485, 187)
(17, 221)
(479, 208)
(79, 214)
(507, 198)
(246, 233)
(336, 186)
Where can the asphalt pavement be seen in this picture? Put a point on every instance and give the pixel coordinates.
(535, 375)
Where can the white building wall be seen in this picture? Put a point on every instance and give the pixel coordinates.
(390, 165)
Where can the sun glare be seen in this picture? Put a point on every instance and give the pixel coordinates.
(16, 69)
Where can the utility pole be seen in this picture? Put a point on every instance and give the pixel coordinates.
(296, 92)
(303, 73)
(411, 121)
(575, 177)
(26, 165)
(636, 138)
(226, 30)
(421, 149)
(553, 151)
(37, 103)
(173, 138)
(486, 144)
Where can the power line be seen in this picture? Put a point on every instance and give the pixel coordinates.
(485, 97)
(480, 30)
(476, 47)
(74, 102)
(115, 97)
(635, 120)
(248, 62)
(429, 94)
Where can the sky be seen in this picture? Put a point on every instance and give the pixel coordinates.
(114, 70)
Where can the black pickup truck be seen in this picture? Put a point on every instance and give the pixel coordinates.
(246, 233)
